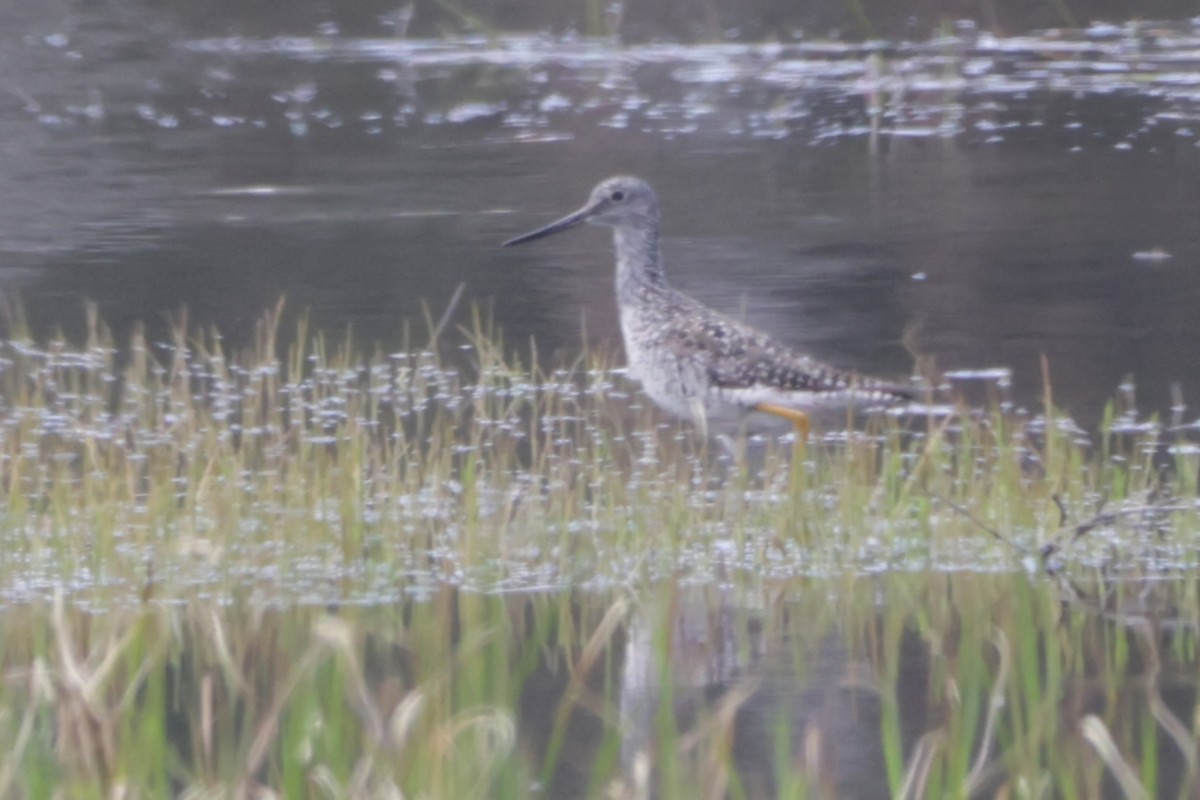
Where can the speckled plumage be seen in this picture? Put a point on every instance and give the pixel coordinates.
(691, 360)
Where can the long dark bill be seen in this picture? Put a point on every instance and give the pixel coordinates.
(569, 221)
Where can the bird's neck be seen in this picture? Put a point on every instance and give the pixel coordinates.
(639, 262)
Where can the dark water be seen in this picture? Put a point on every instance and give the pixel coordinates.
(1005, 194)
(1011, 196)
(788, 691)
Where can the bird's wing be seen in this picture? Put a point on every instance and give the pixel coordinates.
(737, 356)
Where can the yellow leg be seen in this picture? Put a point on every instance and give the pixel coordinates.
(796, 417)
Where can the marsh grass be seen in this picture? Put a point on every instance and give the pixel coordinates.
(328, 574)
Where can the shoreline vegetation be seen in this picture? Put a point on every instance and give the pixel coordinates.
(337, 574)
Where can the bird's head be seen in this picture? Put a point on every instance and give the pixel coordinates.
(615, 202)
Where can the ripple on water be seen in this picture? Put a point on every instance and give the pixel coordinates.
(573, 77)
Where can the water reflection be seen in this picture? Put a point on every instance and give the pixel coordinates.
(794, 699)
(936, 686)
(832, 700)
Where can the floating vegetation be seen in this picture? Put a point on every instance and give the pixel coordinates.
(330, 574)
(967, 83)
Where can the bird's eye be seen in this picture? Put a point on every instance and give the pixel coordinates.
(617, 196)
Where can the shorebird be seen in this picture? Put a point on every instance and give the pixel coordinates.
(695, 362)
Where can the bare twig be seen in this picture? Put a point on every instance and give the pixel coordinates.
(1063, 516)
(997, 535)
(1102, 519)
(1067, 536)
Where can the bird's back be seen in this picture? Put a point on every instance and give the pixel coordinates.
(689, 356)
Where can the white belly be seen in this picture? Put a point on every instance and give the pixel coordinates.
(680, 386)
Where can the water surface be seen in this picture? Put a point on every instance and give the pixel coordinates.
(1006, 193)
(1010, 197)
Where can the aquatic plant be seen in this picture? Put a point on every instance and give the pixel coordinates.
(454, 572)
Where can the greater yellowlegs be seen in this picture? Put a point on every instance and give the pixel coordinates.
(693, 361)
